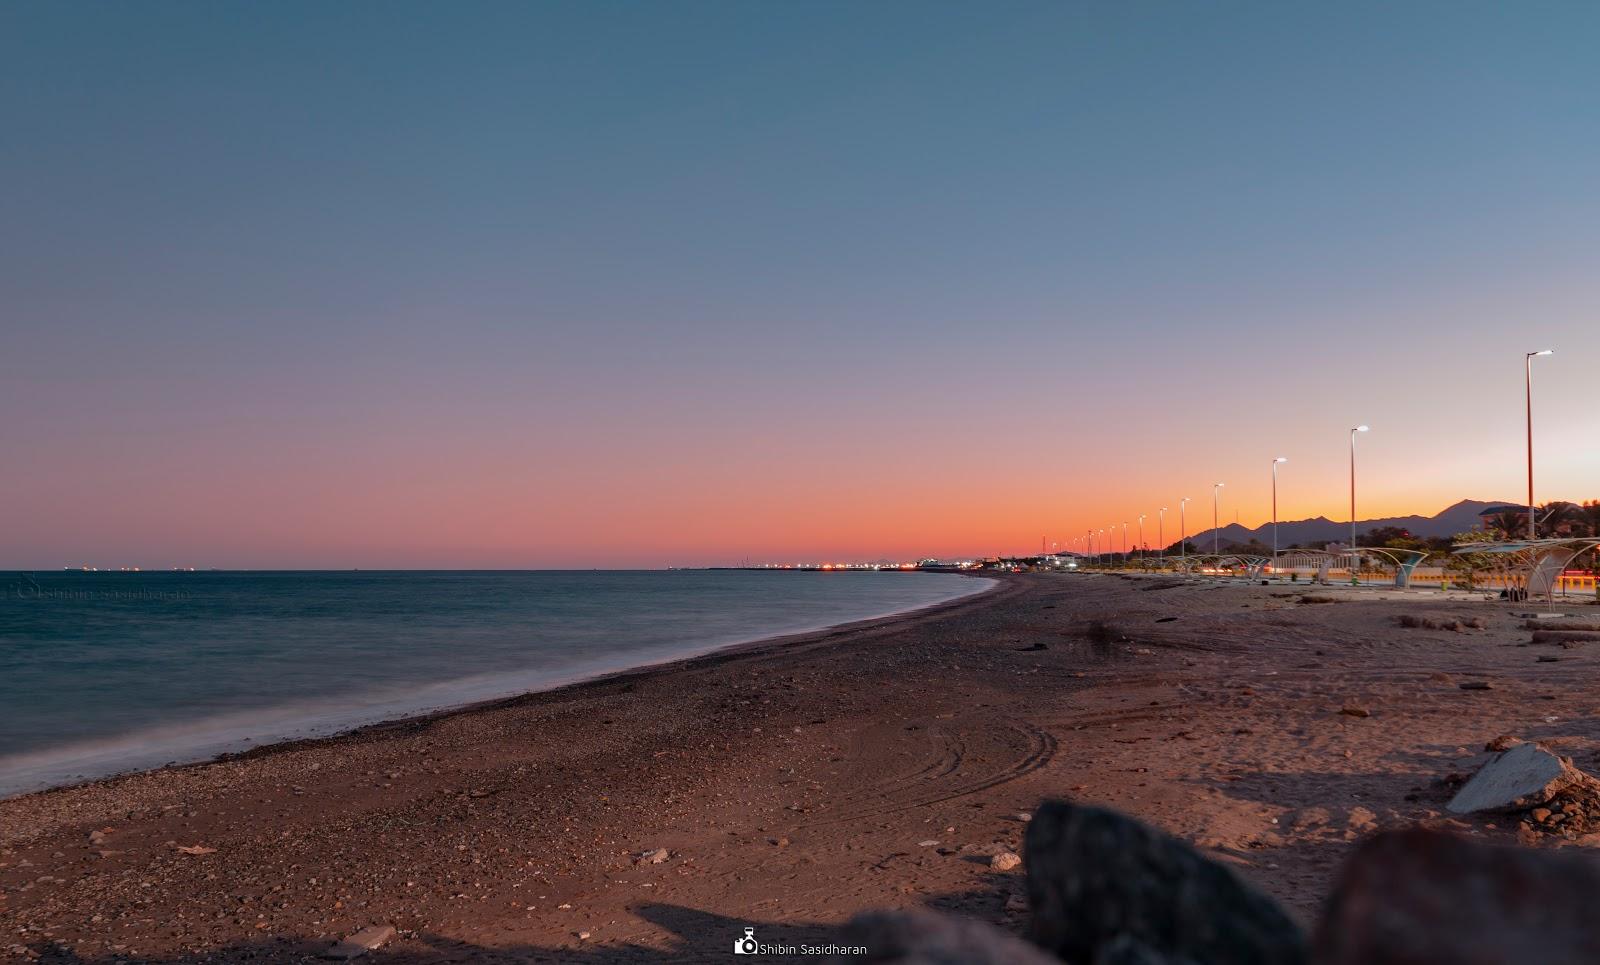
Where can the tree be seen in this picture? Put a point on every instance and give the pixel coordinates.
(1466, 564)
(1383, 535)
(1561, 518)
(1507, 522)
(1591, 516)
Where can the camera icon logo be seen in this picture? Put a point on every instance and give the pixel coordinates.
(748, 944)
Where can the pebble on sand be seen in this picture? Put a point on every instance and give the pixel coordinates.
(1005, 861)
(367, 939)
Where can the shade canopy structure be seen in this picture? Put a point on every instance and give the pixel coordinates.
(1538, 563)
(1404, 562)
(1249, 563)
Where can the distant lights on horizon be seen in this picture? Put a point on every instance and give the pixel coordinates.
(833, 566)
(86, 568)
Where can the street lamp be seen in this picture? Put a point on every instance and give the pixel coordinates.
(1124, 542)
(1216, 533)
(1353, 559)
(1161, 536)
(1533, 532)
(1183, 535)
(1141, 539)
(1275, 508)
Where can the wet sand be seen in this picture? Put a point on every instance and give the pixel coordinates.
(794, 783)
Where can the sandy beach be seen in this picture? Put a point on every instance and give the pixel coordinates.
(796, 782)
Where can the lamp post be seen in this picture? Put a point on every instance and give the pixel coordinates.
(1354, 560)
(1183, 534)
(1216, 534)
(1275, 463)
(1161, 536)
(1124, 542)
(1141, 539)
(1533, 529)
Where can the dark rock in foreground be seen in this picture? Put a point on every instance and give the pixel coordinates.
(1419, 897)
(1105, 888)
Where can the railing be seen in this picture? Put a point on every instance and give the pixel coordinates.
(1434, 576)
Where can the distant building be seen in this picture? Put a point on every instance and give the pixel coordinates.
(1490, 517)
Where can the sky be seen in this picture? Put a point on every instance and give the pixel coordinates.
(602, 284)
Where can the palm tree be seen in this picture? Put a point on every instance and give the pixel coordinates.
(1509, 521)
(1561, 518)
(1591, 516)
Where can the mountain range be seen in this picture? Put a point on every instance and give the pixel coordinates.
(1458, 518)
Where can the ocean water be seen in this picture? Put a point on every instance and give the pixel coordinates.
(104, 672)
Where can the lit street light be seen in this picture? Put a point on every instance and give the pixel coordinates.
(1216, 533)
(1161, 536)
(1354, 565)
(1141, 539)
(1533, 532)
(1275, 508)
(1183, 534)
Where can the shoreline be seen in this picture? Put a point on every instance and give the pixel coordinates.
(790, 784)
(309, 721)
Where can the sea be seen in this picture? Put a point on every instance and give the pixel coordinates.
(104, 672)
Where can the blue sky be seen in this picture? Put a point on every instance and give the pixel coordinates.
(517, 252)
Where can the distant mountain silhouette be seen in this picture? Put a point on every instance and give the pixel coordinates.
(1455, 519)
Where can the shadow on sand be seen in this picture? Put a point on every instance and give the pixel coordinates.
(695, 936)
